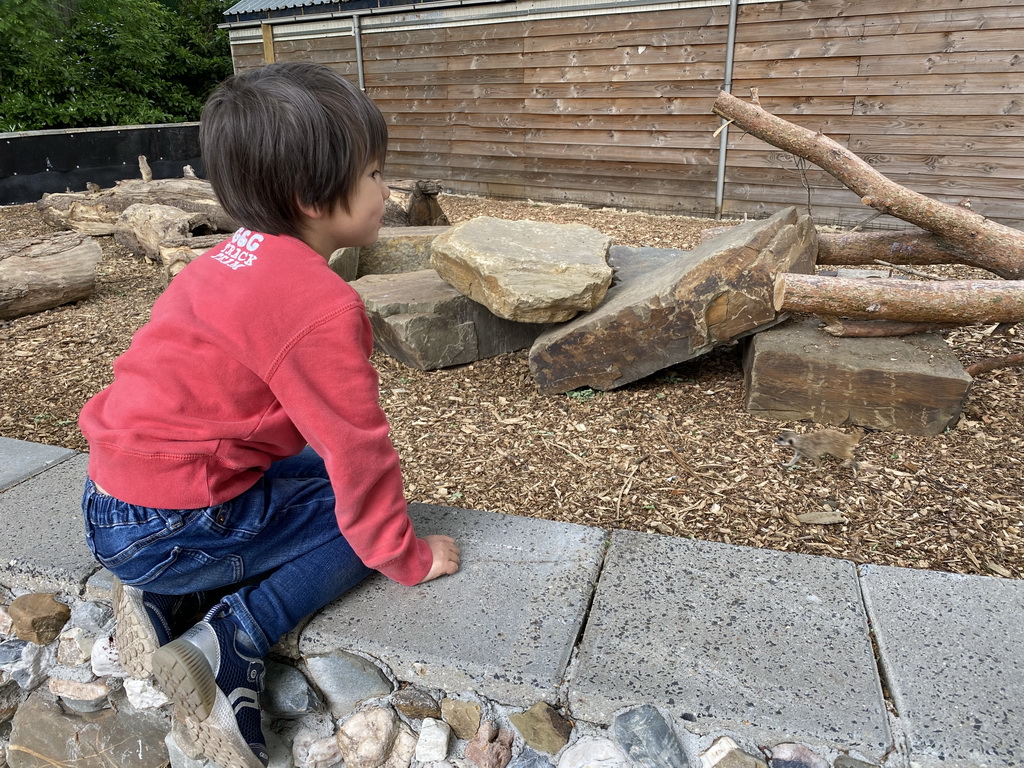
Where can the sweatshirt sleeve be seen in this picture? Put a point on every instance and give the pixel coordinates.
(325, 382)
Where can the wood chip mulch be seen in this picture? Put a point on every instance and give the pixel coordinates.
(674, 454)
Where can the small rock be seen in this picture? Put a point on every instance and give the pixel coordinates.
(432, 745)
(845, 761)
(27, 663)
(93, 617)
(311, 752)
(794, 756)
(347, 680)
(462, 716)
(81, 697)
(12, 696)
(287, 693)
(100, 585)
(105, 660)
(6, 624)
(38, 618)
(366, 738)
(647, 738)
(593, 752)
(543, 728)
(529, 758)
(74, 647)
(725, 753)
(491, 747)
(143, 694)
(403, 749)
(416, 704)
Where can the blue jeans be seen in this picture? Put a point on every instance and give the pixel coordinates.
(278, 542)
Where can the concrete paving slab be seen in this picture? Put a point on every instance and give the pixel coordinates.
(769, 644)
(504, 626)
(952, 652)
(42, 541)
(20, 459)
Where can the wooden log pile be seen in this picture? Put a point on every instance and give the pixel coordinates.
(945, 234)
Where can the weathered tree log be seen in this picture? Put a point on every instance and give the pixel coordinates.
(913, 247)
(144, 228)
(961, 301)
(910, 247)
(972, 238)
(97, 213)
(38, 274)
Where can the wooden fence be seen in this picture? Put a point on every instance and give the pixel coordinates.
(612, 107)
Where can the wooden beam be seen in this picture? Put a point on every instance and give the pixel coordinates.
(268, 43)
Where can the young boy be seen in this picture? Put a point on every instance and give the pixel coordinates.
(240, 468)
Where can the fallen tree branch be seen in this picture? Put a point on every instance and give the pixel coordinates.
(963, 302)
(992, 363)
(972, 238)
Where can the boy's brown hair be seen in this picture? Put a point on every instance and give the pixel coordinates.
(284, 134)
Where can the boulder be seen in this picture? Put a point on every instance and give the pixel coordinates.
(910, 384)
(692, 303)
(422, 321)
(398, 249)
(528, 271)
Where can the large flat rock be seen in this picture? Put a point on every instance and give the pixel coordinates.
(719, 291)
(504, 625)
(770, 644)
(910, 384)
(42, 539)
(528, 271)
(422, 321)
(952, 649)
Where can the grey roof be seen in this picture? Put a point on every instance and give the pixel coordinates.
(250, 10)
(256, 6)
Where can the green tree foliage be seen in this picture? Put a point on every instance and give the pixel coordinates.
(88, 63)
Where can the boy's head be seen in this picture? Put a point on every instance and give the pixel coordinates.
(288, 134)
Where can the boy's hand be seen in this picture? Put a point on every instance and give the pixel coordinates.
(446, 556)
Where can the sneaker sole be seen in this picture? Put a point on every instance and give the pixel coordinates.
(133, 633)
(183, 673)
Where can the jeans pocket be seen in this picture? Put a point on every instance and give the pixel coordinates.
(185, 570)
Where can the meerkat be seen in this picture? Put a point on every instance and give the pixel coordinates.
(423, 209)
(825, 442)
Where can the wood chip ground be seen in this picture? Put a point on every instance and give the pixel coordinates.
(674, 454)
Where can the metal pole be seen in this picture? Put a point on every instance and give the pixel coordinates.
(723, 137)
(357, 34)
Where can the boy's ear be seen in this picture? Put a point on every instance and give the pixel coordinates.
(309, 210)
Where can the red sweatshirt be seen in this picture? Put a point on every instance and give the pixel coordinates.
(254, 350)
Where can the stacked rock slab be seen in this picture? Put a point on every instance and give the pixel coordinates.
(909, 384)
(721, 290)
(423, 322)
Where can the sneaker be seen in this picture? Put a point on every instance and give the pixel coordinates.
(214, 676)
(145, 621)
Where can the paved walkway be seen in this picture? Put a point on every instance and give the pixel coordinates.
(768, 645)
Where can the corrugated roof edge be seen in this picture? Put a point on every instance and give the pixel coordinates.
(267, 10)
